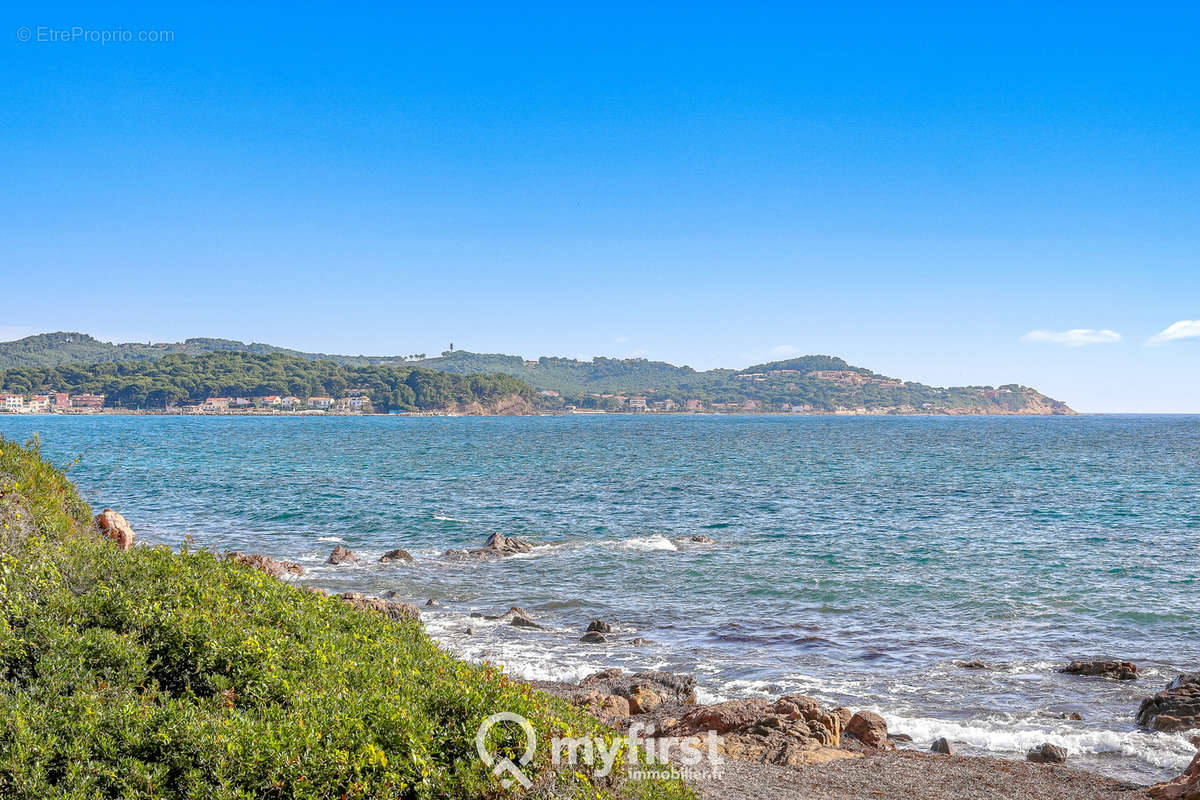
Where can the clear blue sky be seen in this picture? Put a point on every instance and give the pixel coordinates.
(914, 190)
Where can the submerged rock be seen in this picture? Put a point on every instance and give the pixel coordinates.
(1121, 670)
(342, 555)
(702, 540)
(1175, 708)
(272, 566)
(593, 637)
(395, 555)
(1047, 754)
(519, 621)
(115, 527)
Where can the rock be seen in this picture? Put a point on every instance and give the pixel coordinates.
(599, 625)
(844, 714)
(974, 663)
(643, 699)
(395, 555)
(1175, 708)
(469, 631)
(702, 540)
(593, 637)
(603, 675)
(1074, 716)
(115, 527)
(638, 641)
(1121, 670)
(722, 717)
(1185, 787)
(1047, 754)
(392, 609)
(605, 707)
(500, 545)
(430, 602)
(797, 707)
(341, 555)
(272, 566)
(943, 746)
(900, 737)
(672, 689)
(869, 728)
(520, 621)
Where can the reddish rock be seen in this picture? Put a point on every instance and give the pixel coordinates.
(342, 555)
(392, 609)
(395, 555)
(1121, 670)
(1185, 787)
(797, 707)
(115, 527)
(1047, 754)
(272, 566)
(723, 717)
(870, 729)
(643, 699)
(1175, 708)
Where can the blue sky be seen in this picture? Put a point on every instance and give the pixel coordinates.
(916, 190)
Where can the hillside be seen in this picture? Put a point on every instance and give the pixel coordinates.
(63, 347)
(152, 673)
(816, 384)
(179, 379)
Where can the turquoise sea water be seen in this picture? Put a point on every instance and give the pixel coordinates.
(857, 559)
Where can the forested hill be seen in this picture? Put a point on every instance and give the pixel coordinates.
(64, 347)
(180, 379)
(815, 383)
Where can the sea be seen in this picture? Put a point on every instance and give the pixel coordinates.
(859, 560)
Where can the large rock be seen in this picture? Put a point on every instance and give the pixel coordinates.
(498, 544)
(1121, 670)
(593, 637)
(943, 746)
(1185, 787)
(115, 527)
(342, 555)
(392, 609)
(274, 567)
(395, 555)
(643, 699)
(870, 729)
(600, 626)
(1047, 754)
(1175, 708)
(669, 688)
(723, 717)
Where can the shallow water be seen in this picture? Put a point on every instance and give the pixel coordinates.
(857, 559)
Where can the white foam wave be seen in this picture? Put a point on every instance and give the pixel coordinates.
(447, 518)
(330, 539)
(1165, 751)
(648, 543)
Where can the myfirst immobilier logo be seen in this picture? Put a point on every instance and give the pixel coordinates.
(601, 753)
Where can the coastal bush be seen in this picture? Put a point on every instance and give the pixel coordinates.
(154, 673)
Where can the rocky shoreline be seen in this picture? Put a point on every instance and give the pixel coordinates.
(792, 747)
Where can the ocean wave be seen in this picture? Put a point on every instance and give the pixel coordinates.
(330, 539)
(446, 518)
(1165, 751)
(648, 543)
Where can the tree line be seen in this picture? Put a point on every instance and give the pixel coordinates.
(181, 379)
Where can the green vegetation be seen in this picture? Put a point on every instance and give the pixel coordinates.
(176, 379)
(181, 675)
(578, 383)
(64, 347)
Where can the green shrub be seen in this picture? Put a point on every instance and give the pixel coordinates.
(181, 675)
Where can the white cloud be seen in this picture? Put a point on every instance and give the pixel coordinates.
(1076, 337)
(621, 339)
(1184, 329)
(783, 349)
